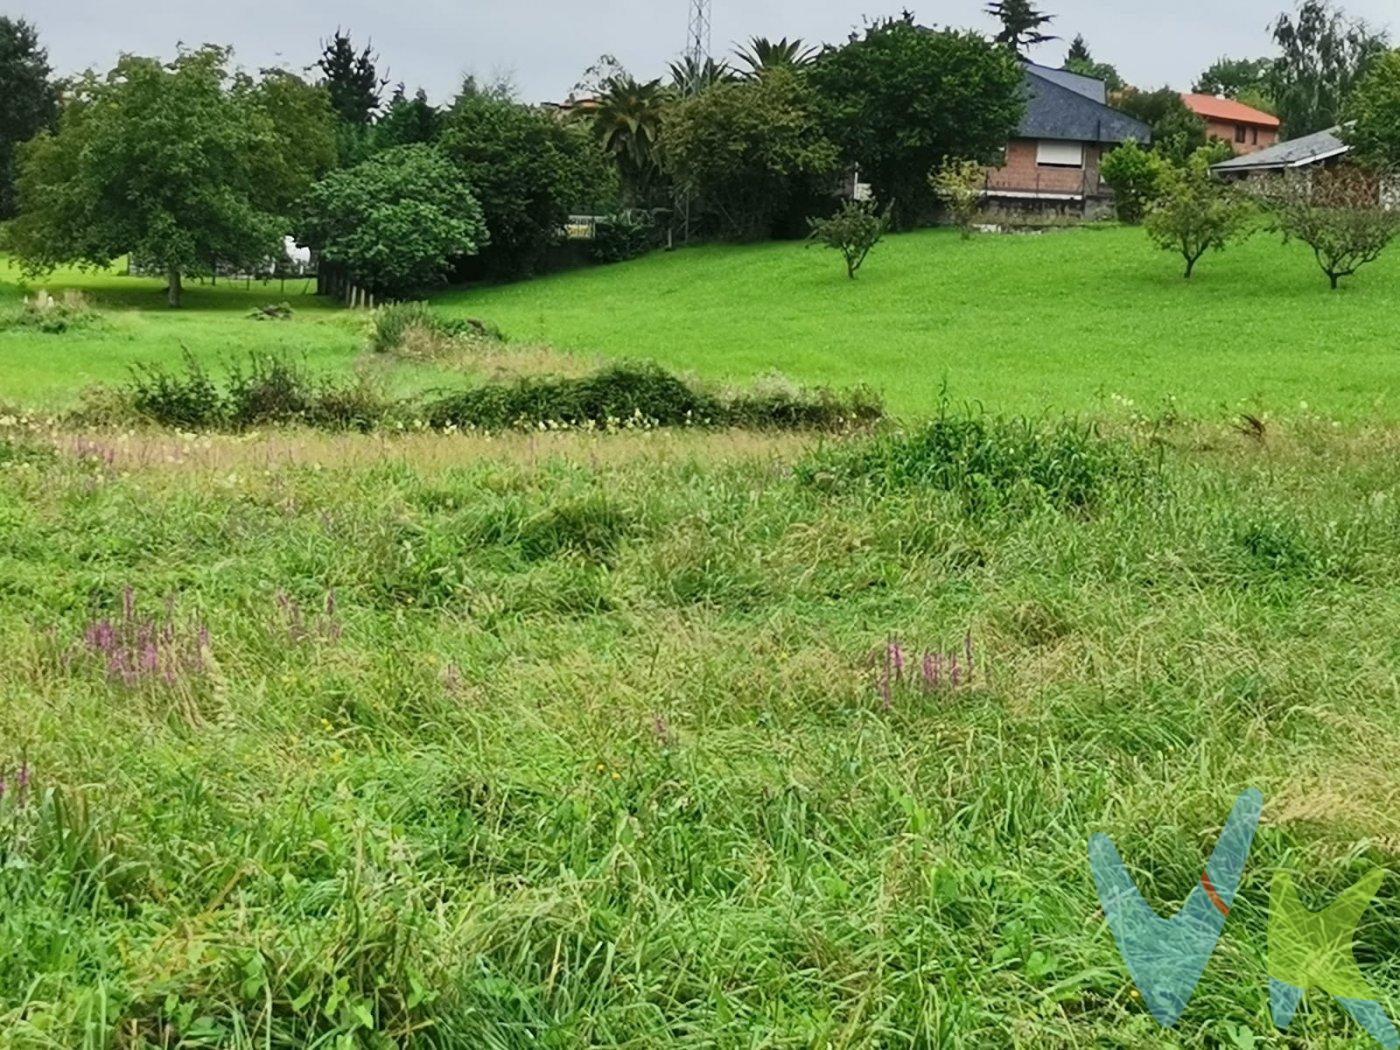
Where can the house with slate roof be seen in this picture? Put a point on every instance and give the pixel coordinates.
(1053, 161)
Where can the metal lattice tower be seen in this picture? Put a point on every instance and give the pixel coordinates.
(698, 40)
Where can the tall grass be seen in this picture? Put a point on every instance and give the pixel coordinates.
(583, 741)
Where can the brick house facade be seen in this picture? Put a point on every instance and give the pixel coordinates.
(1246, 129)
(1053, 162)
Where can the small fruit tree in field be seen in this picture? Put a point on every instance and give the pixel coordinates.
(1195, 212)
(1338, 213)
(958, 184)
(853, 231)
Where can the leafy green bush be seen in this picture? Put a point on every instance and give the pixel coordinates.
(819, 409)
(646, 395)
(174, 399)
(1135, 175)
(987, 461)
(626, 235)
(266, 390)
(615, 396)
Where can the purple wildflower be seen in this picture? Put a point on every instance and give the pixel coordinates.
(967, 652)
(894, 657)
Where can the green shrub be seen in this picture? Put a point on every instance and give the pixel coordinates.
(414, 329)
(1135, 175)
(797, 409)
(271, 390)
(266, 390)
(646, 395)
(618, 395)
(626, 235)
(987, 461)
(173, 399)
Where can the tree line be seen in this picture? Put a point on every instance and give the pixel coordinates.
(192, 164)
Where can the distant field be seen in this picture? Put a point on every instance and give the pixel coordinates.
(213, 325)
(1092, 320)
(1065, 320)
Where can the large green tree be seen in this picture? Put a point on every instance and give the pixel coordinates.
(900, 98)
(526, 168)
(352, 78)
(1374, 114)
(28, 98)
(397, 222)
(743, 150)
(1234, 77)
(1079, 60)
(1324, 53)
(1176, 131)
(406, 120)
(180, 164)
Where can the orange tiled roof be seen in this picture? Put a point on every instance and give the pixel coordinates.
(1213, 108)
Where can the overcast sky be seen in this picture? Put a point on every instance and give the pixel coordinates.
(544, 45)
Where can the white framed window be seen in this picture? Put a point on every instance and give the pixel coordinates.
(1059, 154)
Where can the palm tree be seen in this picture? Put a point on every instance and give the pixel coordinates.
(690, 77)
(762, 54)
(627, 124)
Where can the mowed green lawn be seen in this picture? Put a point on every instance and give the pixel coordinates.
(39, 370)
(1077, 320)
(1064, 320)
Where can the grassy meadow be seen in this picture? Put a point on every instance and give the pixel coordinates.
(563, 739)
(1071, 321)
(1086, 321)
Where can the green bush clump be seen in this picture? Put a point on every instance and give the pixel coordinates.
(647, 395)
(175, 399)
(626, 235)
(616, 395)
(413, 328)
(819, 409)
(272, 390)
(987, 461)
(267, 390)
